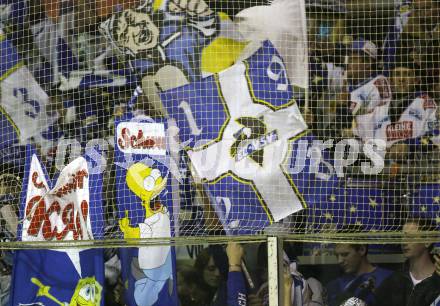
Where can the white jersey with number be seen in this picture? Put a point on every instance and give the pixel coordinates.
(418, 119)
(25, 102)
(370, 94)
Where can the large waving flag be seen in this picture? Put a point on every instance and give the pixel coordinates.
(23, 102)
(145, 211)
(75, 62)
(239, 127)
(288, 34)
(69, 209)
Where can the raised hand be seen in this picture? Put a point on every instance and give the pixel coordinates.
(235, 254)
(129, 232)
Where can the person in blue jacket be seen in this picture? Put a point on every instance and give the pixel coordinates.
(360, 279)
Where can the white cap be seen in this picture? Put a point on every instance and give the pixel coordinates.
(365, 46)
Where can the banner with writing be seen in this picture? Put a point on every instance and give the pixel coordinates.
(66, 209)
(144, 202)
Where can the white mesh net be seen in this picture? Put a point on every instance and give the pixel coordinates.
(133, 130)
(185, 120)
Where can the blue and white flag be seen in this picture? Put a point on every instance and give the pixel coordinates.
(145, 211)
(239, 126)
(23, 102)
(69, 209)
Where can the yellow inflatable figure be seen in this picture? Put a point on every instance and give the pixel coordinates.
(87, 292)
(147, 184)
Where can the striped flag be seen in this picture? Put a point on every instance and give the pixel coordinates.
(23, 102)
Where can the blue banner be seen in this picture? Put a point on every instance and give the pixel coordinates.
(145, 211)
(9, 61)
(48, 277)
(426, 202)
(239, 128)
(366, 208)
(69, 208)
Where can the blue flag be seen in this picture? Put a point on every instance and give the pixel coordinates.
(145, 211)
(9, 61)
(69, 209)
(22, 103)
(53, 46)
(310, 167)
(241, 128)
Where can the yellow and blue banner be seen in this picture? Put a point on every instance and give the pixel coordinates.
(66, 209)
(145, 211)
(238, 127)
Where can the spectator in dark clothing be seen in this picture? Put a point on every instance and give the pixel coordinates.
(212, 280)
(221, 276)
(189, 288)
(419, 282)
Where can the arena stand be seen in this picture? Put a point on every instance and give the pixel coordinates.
(215, 152)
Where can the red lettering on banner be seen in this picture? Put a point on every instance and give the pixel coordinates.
(67, 218)
(38, 185)
(399, 130)
(77, 183)
(40, 219)
(126, 140)
(38, 214)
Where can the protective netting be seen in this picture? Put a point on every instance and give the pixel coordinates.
(189, 120)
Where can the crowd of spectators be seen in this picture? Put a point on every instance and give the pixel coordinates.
(382, 77)
(356, 281)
